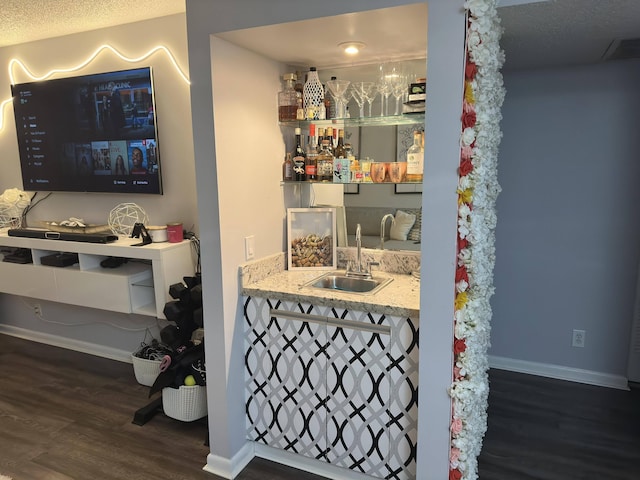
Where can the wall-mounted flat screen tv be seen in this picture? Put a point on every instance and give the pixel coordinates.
(91, 133)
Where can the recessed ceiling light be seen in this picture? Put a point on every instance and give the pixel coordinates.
(351, 48)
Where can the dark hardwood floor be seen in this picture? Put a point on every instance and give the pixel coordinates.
(546, 429)
(66, 415)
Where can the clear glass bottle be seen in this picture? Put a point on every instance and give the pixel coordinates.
(312, 95)
(415, 159)
(325, 163)
(288, 99)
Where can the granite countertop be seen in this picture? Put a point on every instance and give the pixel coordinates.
(268, 278)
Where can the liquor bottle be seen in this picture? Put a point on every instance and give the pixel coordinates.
(299, 158)
(288, 99)
(415, 159)
(320, 138)
(312, 95)
(287, 168)
(312, 145)
(341, 171)
(329, 103)
(325, 163)
(328, 135)
(339, 151)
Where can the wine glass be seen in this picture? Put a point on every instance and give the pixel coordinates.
(384, 89)
(338, 88)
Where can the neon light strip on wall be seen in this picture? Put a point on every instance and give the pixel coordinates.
(15, 62)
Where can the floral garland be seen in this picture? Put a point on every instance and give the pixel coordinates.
(477, 192)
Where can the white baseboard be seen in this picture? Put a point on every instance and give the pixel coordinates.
(306, 464)
(560, 372)
(230, 468)
(68, 343)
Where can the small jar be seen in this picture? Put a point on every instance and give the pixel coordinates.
(174, 232)
(158, 233)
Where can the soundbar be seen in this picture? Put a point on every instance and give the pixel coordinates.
(72, 237)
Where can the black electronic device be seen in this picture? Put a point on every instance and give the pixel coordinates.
(17, 255)
(89, 133)
(63, 259)
(72, 237)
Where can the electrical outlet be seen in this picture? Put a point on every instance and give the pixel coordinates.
(37, 310)
(578, 338)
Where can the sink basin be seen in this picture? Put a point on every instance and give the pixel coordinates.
(339, 281)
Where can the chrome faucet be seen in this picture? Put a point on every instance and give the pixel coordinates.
(382, 223)
(358, 270)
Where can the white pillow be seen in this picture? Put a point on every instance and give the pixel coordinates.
(401, 225)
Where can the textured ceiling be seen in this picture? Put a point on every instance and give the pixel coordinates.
(565, 32)
(28, 20)
(543, 34)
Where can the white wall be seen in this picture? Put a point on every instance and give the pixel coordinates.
(176, 152)
(568, 230)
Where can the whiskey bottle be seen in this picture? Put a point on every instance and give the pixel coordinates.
(288, 99)
(325, 163)
(415, 159)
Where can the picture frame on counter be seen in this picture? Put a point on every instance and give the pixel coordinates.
(311, 238)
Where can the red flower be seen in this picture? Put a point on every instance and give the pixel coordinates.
(461, 274)
(455, 474)
(459, 346)
(470, 70)
(465, 168)
(468, 118)
(462, 243)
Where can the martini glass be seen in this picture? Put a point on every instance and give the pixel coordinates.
(356, 94)
(369, 93)
(361, 91)
(338, 89)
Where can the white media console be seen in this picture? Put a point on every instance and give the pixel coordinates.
(140, 286)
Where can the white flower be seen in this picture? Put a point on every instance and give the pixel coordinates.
(469, 391)
(13, 202)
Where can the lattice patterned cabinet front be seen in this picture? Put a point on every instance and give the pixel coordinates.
(334, 385)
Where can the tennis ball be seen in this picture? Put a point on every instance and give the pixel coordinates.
(189, 381)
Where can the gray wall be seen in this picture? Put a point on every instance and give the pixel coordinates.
(568, 227)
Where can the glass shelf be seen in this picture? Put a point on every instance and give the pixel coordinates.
(404, 119)
(312, 182)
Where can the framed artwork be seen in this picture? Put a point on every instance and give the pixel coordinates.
(311, 237)
(351, 188)
(408, 188)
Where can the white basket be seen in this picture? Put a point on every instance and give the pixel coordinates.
(185, 403)
(146, 371)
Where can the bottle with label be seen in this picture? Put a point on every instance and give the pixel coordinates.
(415, 159)
(325, 163)
(320, 138)
(312, 95)
(299, 158)
(288, 99)
(339, 151)
(329, 103)
(341, 170)
(328, 135)
(287, 168)
(312, 155)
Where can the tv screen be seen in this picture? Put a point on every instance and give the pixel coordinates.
(91, 133)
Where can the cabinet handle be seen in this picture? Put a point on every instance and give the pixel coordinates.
(354, 325)
(303, 317)
(334, 322)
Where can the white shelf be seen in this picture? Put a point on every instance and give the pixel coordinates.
(139, 286)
